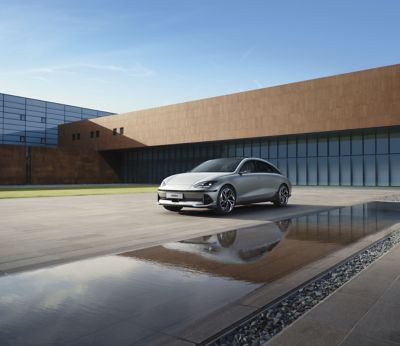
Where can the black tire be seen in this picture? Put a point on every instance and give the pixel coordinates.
(226, 200)
(282, 196)
(174, 208)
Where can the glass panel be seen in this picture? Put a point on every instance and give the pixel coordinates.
(345, 172)
(292, 150)
(302, 171)
(282, 149)
(301, 147)
(369, 143)
(333, 146)
(323, 146)
(247, 149)
(357, 170)
(272, 149)
(264, 149)
(224, 153)
(312, 176)
(333, 170)
(312, 146)
(322, 171)
(356, 145)
(239, 149)
(12, 98)
(382, 142)
(395, 170)
(282, 165)
(382, 165)
(370, 170)
(292, 170)
(232, 150)
(255, 149)
(395, 141)
(344, 145)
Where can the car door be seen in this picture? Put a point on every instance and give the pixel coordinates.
(270, 179)
(248, 182)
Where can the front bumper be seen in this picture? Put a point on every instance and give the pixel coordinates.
(192, 199)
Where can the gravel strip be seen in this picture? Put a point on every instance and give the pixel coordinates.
(274, 318)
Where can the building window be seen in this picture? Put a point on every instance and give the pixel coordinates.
(22, 117)
(43, 140)
(121, 130)
(43, 119)
(22, 138)
(73, 136)
(115, 132)
(91, 134)
(78, 136)
(97, 133)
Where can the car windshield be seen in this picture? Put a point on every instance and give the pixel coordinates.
(218, 165)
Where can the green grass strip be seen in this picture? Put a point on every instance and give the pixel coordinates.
(31, 191)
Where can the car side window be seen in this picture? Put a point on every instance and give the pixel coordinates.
(263, 167)
(248, 167)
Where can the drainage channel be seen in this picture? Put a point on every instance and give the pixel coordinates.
(264, 324)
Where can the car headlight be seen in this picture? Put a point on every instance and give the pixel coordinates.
(205, 184)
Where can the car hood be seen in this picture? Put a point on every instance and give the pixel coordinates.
(186, 180)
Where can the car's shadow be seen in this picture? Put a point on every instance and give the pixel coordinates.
(259, 211)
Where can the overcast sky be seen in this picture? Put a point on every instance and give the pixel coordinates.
(121, 56)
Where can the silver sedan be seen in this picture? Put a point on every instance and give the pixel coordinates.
(220, 184)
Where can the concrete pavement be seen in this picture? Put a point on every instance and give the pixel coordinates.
(36, 232)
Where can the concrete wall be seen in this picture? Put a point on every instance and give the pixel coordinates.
(56, 166)
(363, 99)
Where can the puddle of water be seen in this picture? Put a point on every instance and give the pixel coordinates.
(133, 296)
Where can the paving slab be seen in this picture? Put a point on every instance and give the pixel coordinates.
(365, 311)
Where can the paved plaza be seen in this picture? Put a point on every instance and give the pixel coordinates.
(37, 232)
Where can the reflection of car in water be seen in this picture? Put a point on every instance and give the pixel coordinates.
(247, 245)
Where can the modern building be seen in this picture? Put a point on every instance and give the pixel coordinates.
(30, 122)
(340, 130)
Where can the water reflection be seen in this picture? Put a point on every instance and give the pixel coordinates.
(268, 252)
(139, 295)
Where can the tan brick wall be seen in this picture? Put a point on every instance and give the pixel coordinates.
(56, 166)
(355, 100)
(12, 164)
(70, 166)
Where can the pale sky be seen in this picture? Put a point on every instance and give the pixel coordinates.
(121, 56)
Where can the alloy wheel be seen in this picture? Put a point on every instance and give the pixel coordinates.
(283, 195)
(227, 199)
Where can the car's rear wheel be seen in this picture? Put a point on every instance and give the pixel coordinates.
(172, 208)
(226, 200)
(282, 196)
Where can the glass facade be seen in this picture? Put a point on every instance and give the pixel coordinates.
(31, 122)
(365, 157)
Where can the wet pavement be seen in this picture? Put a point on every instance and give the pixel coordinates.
(156, 295)
(39, 232)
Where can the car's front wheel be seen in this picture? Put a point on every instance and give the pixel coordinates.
(172, 208)
(282, 196)
(226, 200)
